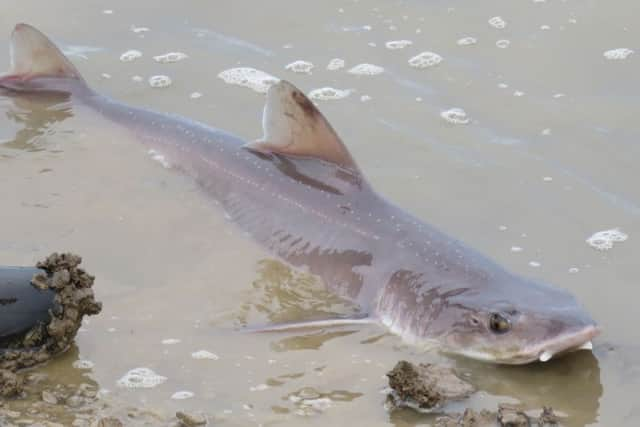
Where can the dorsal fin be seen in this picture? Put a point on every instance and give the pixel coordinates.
(34, 55)
(293, 125)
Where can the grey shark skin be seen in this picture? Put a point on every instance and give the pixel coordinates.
(299, 193)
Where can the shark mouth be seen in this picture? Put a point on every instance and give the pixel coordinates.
(580, 340)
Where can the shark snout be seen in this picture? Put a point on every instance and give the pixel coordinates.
(575, 340)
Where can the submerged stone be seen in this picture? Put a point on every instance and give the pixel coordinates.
(509, 415)
(469, 418)
(190, 420)
(10, 384)
(108, 422)
(506, 416)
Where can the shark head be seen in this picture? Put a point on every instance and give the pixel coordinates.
(496, 317)
(540, 322)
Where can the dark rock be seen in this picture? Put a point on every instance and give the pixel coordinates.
(425, 386)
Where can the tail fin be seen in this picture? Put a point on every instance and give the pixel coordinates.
(33, 55)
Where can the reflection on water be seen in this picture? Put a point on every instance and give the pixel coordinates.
(36, 116)
(375, 338)
(570, 384)
(307, 341)
(66, 367)
(69, 385)
(282, 294)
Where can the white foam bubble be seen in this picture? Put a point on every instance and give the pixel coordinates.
(130, 55)
(357, 28)
(574, 270)
(366, 70)
(195, 95)
(170, 57)
(137, 79)
(456, 116)
(467, 41)
(83, 364)
(335, 64)
(497, 22)
(329, 94)
(365, 98)
(503, 44)
(398, 44)
(516, 249)
(248, 77)
(618, 54)
(159, 81)
(183, 394)
(160, 158)
(604, 240)
(204, 355)
(138, 30)
(259, 387)
(425, 60)
(170, 341)
(534, 264)
(141, 378)
(320, 404)
(303, 67)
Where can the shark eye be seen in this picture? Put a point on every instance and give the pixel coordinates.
(498, 323)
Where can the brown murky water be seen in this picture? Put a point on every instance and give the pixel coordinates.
(549, 156)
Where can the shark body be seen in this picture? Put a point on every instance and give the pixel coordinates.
(299, 193)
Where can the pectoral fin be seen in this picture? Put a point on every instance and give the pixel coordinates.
(312, 324)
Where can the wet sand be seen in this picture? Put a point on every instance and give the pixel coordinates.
(548, 157)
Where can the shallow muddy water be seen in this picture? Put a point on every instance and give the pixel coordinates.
(543, 155)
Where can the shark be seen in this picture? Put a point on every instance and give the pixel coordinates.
(299, 193)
